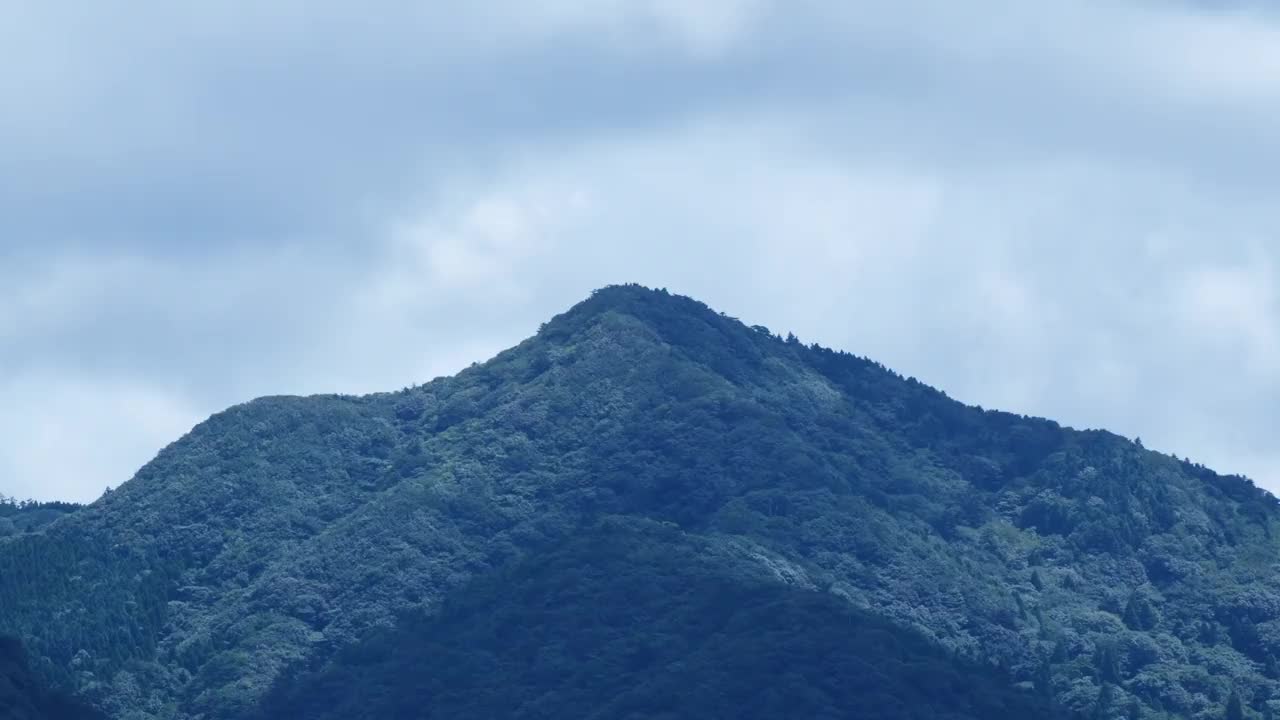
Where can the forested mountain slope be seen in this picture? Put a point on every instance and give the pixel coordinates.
(24, 695)
(273, 538)
(29, 516)
(633, 619)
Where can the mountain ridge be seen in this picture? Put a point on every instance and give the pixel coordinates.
(280, 530)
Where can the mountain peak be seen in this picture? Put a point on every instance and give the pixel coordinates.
(686, 324)
(633, 299)
(770, 460)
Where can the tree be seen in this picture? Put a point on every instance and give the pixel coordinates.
(1044, 679)
(1102, 708)
(1107, 664)
(1139, 612)
(1235, 709)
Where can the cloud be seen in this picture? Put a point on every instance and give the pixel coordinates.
(1059, 208)
(1052, 288)
(1219, 58)
(74, 436)
(1237, 309)
(479, 245)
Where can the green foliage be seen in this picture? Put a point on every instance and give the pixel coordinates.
(18, 517)
(631, 620)
(23, 696)
(1235, 709)
(281, 531)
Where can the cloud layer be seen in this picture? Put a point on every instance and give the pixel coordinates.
(1061, 208)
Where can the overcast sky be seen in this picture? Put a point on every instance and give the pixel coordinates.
(1064, 207)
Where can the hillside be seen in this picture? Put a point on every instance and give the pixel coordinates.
(277, 537)
(24, 696)
(29, 516)
(634, 619)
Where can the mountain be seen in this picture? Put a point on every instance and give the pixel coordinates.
(795, 502)
(636, 619)
(24, 696)
(29, 516)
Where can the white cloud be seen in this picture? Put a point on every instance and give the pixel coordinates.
(1227, 59)
(1062, 207)
(1237, 309)
(479, 245)
(73, 436)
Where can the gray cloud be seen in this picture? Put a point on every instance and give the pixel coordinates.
(1059, 209)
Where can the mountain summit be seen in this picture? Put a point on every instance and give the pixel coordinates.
(649, 501)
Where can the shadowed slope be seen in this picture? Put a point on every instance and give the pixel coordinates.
(636, 620)
(23, 695)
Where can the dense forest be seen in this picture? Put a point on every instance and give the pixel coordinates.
(631, 619)
(17, 517)
(25, 696)
(794, 502)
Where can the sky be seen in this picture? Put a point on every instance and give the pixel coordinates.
(1063, 208)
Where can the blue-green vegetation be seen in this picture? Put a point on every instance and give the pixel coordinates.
(28, 515)
(275, 552)
(25, 696)
(633, 619)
